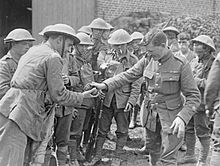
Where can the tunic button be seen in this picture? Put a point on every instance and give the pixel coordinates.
(156, 84)
(159, 64)
(156, 103)
(157, 74)
(171, 78)
(156, 94)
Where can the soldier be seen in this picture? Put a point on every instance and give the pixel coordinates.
(99, 28)
(199, 124)
(172, 33)
(85, 29)
(212, 91)
(23, 109)
(20, 41)
(42, 33)
(183, 41)
(135, 44)
(120, 102)
(83, 70)
(173, 76)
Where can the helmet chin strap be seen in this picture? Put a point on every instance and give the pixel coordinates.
(63, 46)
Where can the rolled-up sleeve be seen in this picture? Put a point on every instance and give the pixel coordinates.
(57, 90)
(190, 91)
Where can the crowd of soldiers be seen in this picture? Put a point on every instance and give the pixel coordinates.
(50, 92)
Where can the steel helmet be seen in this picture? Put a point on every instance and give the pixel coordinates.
(99, 23)
(84, 39)
(19, 35)
(120, 36)
(205, 40)
(41, 33)
(137, 35)
(85, 29)
(63, 29)
(110, 27)
(172, 29)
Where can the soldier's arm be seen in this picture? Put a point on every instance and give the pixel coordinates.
(128, 76)
(5, 78)
(73, 72)
(59, 94)
(190, 91)
(213, 83)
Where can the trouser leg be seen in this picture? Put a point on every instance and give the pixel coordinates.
(153, 143)
(12, 142)
(62, 133)
(203, 134)
(215, 157)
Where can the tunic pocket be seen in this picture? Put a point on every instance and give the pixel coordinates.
(170, 82)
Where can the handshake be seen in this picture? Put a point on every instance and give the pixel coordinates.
(95, 90)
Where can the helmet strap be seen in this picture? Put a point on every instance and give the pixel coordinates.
(63, 46)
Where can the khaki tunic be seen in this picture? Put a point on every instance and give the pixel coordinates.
(129, 92)
(8, 65)
(211, 98)
(39, 72)
(172, 77)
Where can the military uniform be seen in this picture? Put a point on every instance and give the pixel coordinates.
(114, 105)
(165, 85)
(210, 96)
(83, 70)
(199, 124)
(63, 114)
(8, 65)
(23, 106)
(191, 57)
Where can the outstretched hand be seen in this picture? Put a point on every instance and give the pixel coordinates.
(100, 86)
(91, 93)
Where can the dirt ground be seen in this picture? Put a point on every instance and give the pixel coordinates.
(132, 158)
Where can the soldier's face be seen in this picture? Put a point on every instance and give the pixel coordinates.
(97, 33)
(68, 46)
(183, 45)
(120, 48)
(106, 34)
(171, 36)
(135, 44)
(198, 48)
(21, 47)
(156, 52)
(85, 51)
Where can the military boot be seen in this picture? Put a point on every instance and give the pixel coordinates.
(98, 155)
(190, 156)
(204, 150)
(73, 153)
(119, 152)
(62, 155)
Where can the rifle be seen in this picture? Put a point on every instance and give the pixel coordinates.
(94, 132)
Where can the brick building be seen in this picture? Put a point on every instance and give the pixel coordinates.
(109, 9)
